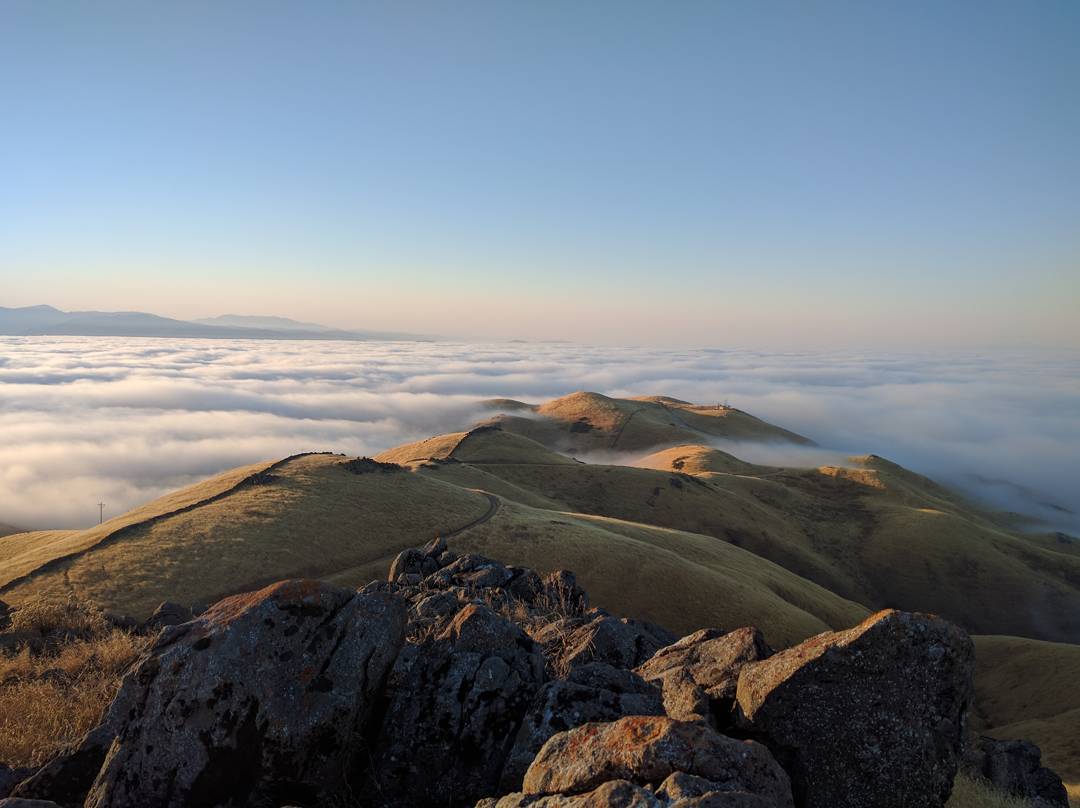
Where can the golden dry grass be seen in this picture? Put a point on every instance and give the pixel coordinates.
(20, 555)
(56, 686)
(971, 793)
(314, 519)
(436, 448)
(585, 422)
(698, 459)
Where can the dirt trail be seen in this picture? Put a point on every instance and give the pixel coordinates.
(493, 508)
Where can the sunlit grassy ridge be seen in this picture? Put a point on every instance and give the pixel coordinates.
(685, 535)
(586, 422)
(313, 517)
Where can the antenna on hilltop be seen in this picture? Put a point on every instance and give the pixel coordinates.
(101, 512)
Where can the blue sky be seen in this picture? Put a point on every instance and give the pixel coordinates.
(749, 173)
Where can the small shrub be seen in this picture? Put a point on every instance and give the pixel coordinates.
(45, 617)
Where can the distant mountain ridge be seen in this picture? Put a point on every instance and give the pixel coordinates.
(30, 321)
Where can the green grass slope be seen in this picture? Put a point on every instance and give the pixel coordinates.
(313, 516)
(873, 532)
(1027, 689)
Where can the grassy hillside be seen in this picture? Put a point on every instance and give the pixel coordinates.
(27, 552)
(1027, 689)
(681, 580)
(873, 532)
(312, 516)
(584, 422)
(7, 530)
(687, 536)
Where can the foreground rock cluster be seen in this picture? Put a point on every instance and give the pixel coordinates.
(460, 681)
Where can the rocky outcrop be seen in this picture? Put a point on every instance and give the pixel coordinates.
(647, 751)
(258, 700)
(593, 692)
(461, 679)
(1015, 767)
(599, 637)
(872, 717)
(699, 673)
(453, 707)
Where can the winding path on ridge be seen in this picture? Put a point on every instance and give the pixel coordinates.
(493, 508)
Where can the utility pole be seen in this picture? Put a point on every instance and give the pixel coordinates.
(101, 512)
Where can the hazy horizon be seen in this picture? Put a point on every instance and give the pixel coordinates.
(847, 175)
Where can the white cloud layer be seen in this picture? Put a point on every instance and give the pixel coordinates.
(84, 420)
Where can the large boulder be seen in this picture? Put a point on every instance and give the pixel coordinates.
(699, 673)
(594, 692)
(454, 703)
(646, 750)
(1015, 767)
(259, 700)
(872, 717)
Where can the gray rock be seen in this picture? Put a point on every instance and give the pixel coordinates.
(20, 802)
(621, 642)
(872, 717)
(260, 699)
(1015, 767)
(407, 562)
(168, 614)
(596, 692)
(453, 707)
(700, 672)
(647, 749)
(439, 604)
(470, 571)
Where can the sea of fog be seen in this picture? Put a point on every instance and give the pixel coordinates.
(88, 420)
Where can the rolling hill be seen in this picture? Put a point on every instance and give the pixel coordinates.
(325, 516)
(679, 532)
(584, 422)
(873, 532)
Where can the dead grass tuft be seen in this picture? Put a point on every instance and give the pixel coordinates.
(44, 617)
(972, 793)
(50, 699)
